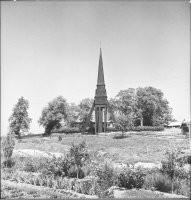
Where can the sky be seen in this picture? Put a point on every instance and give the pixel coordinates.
(51, 48)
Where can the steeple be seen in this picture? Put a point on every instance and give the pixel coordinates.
(100, 105)
(100, 78)
(100, 94)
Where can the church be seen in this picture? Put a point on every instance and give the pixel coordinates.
(100, 107)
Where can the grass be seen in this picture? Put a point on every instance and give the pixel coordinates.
(132, 149)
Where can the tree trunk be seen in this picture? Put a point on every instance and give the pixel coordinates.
(172, 185)
(77, 171)
(141, 120)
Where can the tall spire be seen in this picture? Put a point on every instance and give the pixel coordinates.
(100, 79)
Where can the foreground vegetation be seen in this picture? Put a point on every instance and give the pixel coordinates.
(81, 169)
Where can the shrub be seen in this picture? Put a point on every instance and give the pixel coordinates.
(8, 144)
(111, 129)
(157, 181)
(130, 178)
(59, 138)
(28, 163)
(106, 175)
(45, 165)
(9, 163)
(31, 164)
(66, 130)
(69, 165)
(120, 136)
(72, 172)
(55, 166)
(182, 187)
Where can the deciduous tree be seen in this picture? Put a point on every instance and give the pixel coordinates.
(19, 120)
(172, 166)
(53, 114)
(79, 155)
(73, 114)
(85, 106)
(124, 107)
(153, 109)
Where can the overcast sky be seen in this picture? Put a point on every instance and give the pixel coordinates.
(51, 48)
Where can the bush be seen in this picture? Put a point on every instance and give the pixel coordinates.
(111, 129)
(45, 165)
(66, 130)
(55, 166)
(120, 135)
(172, 166)
(130, 178)
(59, 138)
(72, 172)
(106, 175)
(8, 144)
(70, 165)
(28, 164)
(9, 163)
(158, 181)
(31, 164)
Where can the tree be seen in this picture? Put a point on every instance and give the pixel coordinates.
(53, 114)
(85, 106)
(153, 109)
(19, 120)
(125, 100)
(79, 155)
(123, 106)
(7, 149)
(73, 114)
(172, 166)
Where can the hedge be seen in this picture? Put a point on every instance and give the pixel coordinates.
(67, 130)
(148, 128)
(138, 128)
(109, 129)
(73, 130)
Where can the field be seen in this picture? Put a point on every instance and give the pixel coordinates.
(147, 147)
(136, 147)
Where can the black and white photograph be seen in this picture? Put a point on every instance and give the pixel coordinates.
(95, 99)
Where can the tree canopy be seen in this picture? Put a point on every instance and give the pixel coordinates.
(153, 109)
(131, 107)
(53, 114)
(143, 106)
(73, 114)
(19, 120)
(85, 106)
